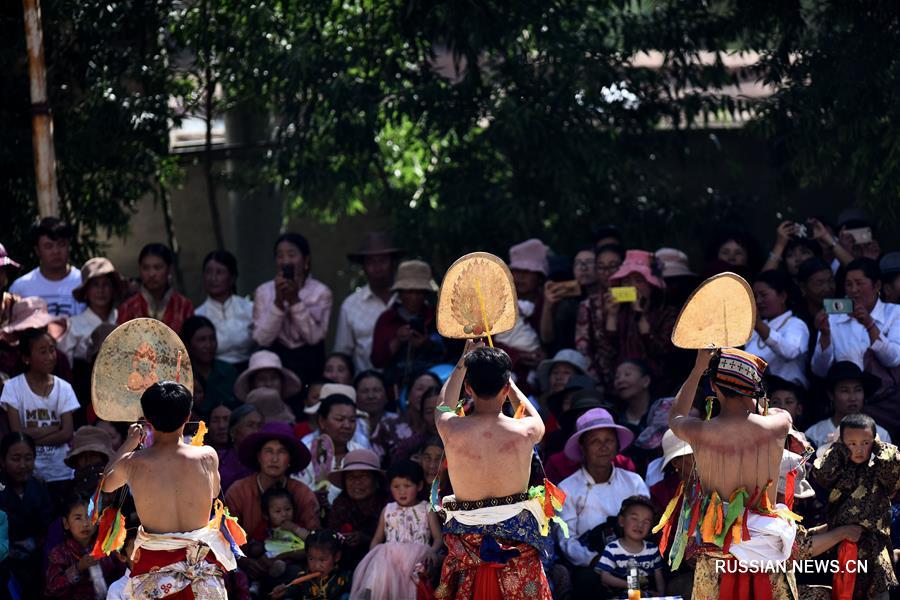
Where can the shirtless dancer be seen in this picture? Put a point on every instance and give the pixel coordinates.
(492, 529)
(738, 449)
(176, 553)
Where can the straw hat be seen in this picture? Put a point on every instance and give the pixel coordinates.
(356, 460)
(28, 313)
(565, 356)
(530, 255)
(644, 264)
(374, 243)
(414, 275)
(5, 260)
(269, 404)
(332, 389)
(674, 263)
(596, 418)
(98, 267)
(673, 447)
(89, 439)
(282, 432)
(264, 359)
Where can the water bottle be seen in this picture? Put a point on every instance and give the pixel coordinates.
(634, 580)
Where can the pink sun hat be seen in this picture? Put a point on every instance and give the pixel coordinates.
(644, 264)
(596, 418)
(530, 255)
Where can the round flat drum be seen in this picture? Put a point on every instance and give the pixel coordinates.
(721, 313)
(136, 355)
(475, 279)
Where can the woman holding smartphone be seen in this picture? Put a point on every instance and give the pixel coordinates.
(291, 312)
(869, 336)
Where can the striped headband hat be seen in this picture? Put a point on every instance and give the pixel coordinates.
(740, 372)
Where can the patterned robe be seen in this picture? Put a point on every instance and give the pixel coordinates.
(861, 495)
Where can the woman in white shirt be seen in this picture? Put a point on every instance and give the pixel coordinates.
(870, 335)
(101, 287)
(231, 314)
(780, 338)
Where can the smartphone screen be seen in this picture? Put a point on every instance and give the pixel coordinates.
(838, 306)
(287, 271)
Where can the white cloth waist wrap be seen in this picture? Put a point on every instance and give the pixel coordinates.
(490, 515)
(208, 536)
(771, 539)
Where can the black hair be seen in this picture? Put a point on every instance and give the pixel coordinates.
(810, 267)
(156, 249)
(53, 228)
(775, 384)
(224, 258)
(641, 364)
(868, 266)
(238, 414)
(69, 502)
(331, 401)
(276, 491)
(778, 281)
(28, 337)
(433, 440)
(369, 373)
(795, 242)
(15, 437)
(293, 238)
(412, 380)
(606, 231)
(167, 405)
(192, 325)
(636, 500)
(740, 237)
(487, 371)
(324, 539)
(346, 359)
(858, 421)
(614, 248)
(407, 469)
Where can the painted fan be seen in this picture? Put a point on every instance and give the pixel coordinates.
(721, 313)
(477, 298)
(133, 357)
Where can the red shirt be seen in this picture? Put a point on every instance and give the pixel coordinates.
(244, 501)
(178, 309)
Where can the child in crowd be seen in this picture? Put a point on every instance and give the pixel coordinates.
(284, 544)
(40, 404)
(862, 474)
(633, 549)
(339, 368)
(117, 589)
(408, 533)
(323, 554)
(72, 573)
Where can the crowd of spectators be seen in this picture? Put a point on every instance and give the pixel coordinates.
(327, 454)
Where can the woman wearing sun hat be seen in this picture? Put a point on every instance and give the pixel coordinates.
(274, 453)
(405, 340)
(641, 329)
(101, 288)
(595, 491)
(266, 370)
(354, 513)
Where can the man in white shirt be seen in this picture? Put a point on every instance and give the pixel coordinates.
(848, 387)
(594, 492)
(361, 309)
(55, 278)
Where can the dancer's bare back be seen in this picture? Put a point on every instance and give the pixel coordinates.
(173, 484)
(489, 456)
(730, 453)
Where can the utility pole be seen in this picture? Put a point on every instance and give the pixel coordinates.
(42, 120)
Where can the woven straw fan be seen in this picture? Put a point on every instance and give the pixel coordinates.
(721, 313)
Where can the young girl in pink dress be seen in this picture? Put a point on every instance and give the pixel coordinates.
(408, 533)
